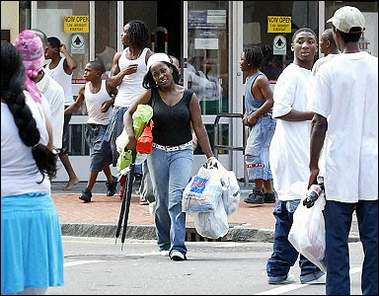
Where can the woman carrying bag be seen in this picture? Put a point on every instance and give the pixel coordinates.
(170, 162)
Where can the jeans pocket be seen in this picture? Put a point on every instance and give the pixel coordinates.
(292, 205)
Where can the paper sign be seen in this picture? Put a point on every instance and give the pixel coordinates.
(279, 24)
(76, 23)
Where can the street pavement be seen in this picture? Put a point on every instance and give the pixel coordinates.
(98, 218)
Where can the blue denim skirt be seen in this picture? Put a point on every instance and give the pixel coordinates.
(31, 243)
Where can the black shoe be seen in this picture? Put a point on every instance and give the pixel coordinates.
(269, 197)
(86, 195)
(111, 187)
(256, 197)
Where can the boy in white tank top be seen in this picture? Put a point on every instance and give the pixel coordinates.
(128, 70)
(99, 96)
(60, 69)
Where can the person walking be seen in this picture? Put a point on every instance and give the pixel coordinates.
(328, 47)
(289, 156)
(31, 239)
(60, 69)
(258, 117)
(170, 162)
(98, 96)
(54, 94)
(346, 105)
(128, 70)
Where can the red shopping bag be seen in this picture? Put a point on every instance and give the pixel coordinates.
(145, 141)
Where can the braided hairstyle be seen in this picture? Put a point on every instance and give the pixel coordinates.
(12, 87)
(138, 34)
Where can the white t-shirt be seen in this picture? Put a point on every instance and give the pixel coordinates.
(131, 86)
(64, 79)
(94, 102)
(55, 96)
(321, 61)
(19, 172)
(289, 149)
(346, 94)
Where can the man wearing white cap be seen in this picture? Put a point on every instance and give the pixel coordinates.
(346, 105)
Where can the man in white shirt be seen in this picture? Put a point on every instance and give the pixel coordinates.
(345, 102)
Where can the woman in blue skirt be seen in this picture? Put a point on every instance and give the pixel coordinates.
(31, 239)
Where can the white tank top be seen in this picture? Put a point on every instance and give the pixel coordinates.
(94, 102)
(63, 79)
(131, 85)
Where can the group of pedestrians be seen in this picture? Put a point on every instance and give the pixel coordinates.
(325, 112)
(332, 110)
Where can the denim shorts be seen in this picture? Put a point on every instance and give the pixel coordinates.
(95, 137)
(64, 149)
(257, 148)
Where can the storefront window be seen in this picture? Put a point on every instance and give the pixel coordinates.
(208, 54)
(105, 33)
(69, 22)
(271, 25)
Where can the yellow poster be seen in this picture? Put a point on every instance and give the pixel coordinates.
(278, 24)
(76, 23)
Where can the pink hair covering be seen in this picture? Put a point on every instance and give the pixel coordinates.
(33, 56)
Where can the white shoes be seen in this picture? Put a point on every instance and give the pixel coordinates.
(177, 256)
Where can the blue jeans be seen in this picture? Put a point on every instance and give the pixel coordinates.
(284, 254)
(170, 173)
(257, 148)
(338, 218)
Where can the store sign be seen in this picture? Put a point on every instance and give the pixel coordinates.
(278, 24)
(76, 23)
(77, 44)
(279, 45)
(207, 19)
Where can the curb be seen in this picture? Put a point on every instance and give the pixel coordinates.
(147, 232)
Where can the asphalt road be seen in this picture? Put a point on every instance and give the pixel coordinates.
(98, 266)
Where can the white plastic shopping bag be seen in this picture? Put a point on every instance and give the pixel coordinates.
(203, 192)
(307, 233)
(212, 224)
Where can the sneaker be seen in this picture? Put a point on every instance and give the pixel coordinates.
(317, 277)
(164, 253)
(177, 256)
(269, 197)
(111, 187)
(281, 280)
(143, 201)
(86, 195)
(256, 197)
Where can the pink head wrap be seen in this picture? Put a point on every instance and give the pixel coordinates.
(33, 56)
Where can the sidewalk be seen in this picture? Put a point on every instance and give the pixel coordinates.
(250, 223)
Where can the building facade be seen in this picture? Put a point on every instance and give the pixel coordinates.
(207, 37)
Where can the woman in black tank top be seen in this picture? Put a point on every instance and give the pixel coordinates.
(170, 163)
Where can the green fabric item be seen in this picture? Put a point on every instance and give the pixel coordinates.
(140, 117)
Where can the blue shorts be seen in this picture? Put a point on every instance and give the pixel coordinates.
(95, 138)
(257, 148)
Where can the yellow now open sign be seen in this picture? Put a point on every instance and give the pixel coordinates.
(76, 23)
(278, 24)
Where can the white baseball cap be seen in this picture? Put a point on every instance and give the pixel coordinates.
(346, 18)
(157, 57)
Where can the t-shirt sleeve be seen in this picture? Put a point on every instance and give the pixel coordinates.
(319, 102)
(284, 94)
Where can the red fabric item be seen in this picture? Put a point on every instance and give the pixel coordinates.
(145, 141)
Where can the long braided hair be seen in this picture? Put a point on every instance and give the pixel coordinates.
(12, 87)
